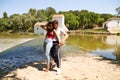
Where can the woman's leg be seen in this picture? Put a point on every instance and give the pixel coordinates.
(47, 51)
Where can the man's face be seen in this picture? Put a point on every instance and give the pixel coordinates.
(55, 25)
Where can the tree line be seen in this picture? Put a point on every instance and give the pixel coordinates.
(76, 19)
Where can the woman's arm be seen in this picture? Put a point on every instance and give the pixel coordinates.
(41, 25)
(44, 27)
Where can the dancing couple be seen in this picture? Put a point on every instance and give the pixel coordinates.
(53, 42)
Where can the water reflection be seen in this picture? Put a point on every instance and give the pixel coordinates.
(113, 40)
(104, 45)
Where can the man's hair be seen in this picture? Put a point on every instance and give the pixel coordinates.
(55, 22)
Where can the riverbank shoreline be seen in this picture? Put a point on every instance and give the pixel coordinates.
(76, 67)
(80, 31)
(92, 31)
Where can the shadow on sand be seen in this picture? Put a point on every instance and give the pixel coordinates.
(18, 56)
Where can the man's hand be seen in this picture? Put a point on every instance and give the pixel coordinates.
(61, 43)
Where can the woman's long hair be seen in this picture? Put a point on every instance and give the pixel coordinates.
(50, 24)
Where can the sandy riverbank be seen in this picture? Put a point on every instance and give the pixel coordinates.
(78, 67)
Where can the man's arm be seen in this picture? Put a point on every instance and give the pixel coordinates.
(65, 36)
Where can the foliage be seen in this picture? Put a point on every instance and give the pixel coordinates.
(71, 20)
(5, 15)
(50, 12)
(83, 19)
(106, 16)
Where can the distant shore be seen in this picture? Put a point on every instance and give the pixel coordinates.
(92, 31)
(80, 31)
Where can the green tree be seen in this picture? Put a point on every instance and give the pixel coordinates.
(5, 15)
(83, 20)
(28, 22)
(16, 22)
(41, 15)
(76, 12)
(50, 12)
(71, 20)
(106, 16)
(32, 12)
(89, 20)
(4, 24)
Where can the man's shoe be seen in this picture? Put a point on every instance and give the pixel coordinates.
(58, 71)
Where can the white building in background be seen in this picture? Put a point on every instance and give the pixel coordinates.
(113, 25)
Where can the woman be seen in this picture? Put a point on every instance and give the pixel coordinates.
(48, 41)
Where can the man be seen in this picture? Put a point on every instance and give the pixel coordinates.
(57, 42)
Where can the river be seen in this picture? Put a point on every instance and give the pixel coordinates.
(107, 46)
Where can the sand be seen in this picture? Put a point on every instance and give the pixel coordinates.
(78, 67)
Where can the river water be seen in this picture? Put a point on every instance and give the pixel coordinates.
(107, 46)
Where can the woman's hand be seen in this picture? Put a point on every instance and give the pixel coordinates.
(40, 24)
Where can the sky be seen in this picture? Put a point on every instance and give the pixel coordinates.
(23, 6)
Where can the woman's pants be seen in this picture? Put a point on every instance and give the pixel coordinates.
(55, 53)
(48, 43)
